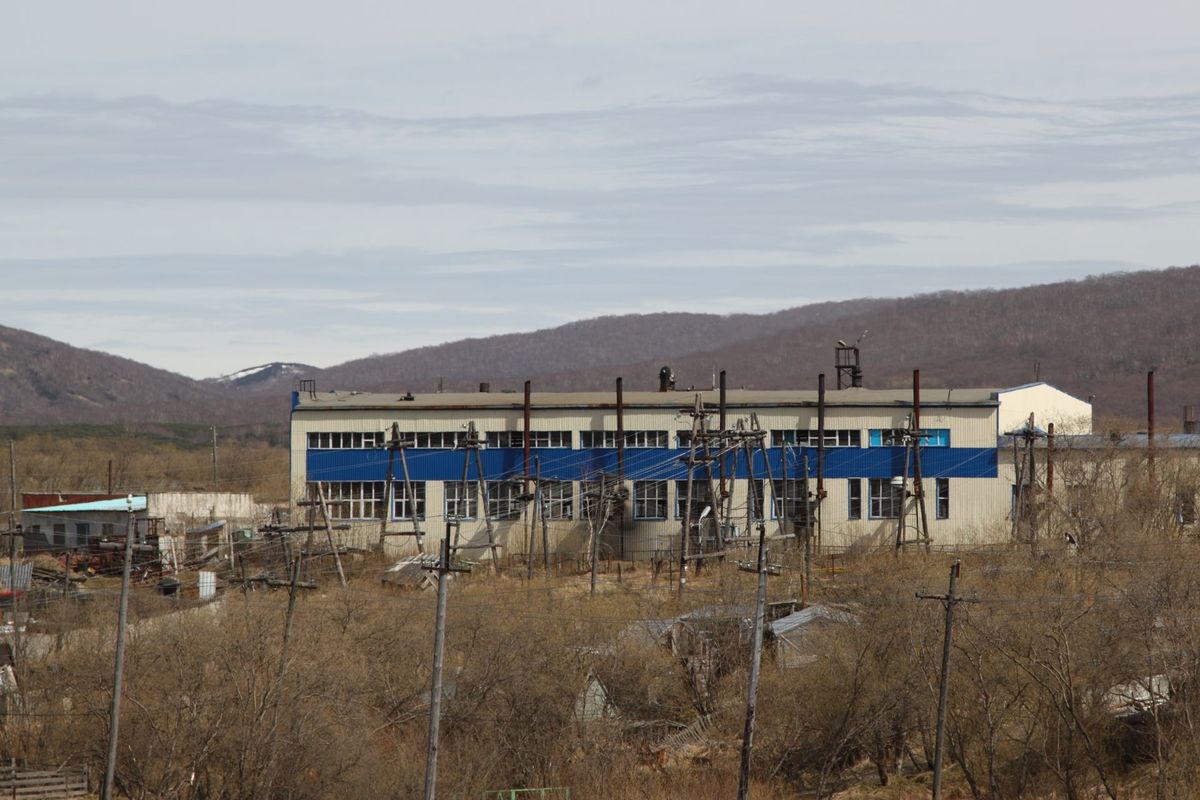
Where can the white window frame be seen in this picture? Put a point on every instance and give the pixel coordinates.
(652, 496)
(558, 499)
(400, 501)
(345, 440)
(608, 439)
(351, 499)
(437, 440)
(454, 505)
(796, 504)
(700, 498)
(808, 437)
(880, 504)
(504, 499)
(539, 439)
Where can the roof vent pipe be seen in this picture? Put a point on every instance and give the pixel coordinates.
(666, 380)
(485, 387)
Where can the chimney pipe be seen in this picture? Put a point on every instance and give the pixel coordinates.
(485, 387)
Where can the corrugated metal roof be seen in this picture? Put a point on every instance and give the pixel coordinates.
(119, 504)
(678, 399)
(809, 615)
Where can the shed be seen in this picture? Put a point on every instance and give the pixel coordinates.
(793, 635)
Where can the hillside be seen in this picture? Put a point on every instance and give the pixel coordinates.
(47, 382)
(1096, 336)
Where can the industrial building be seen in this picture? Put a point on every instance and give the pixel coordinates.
(472, 458)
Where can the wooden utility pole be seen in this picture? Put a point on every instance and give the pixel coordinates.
(950, 599)
(214, 456)
(13, 533)
(443, 568)
(337, 557)
(760, 604)
(814, 527)
(685, 535)
(114, 717)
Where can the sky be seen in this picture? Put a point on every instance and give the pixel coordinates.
(209, 186)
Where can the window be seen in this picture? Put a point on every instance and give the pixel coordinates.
(106, 530)
(60, 534)
(790, 496)
(700, 498)
(886, 500)
(344, 440)
(352, 499)
(649, 499)
(760, 500)
(462, 502)
(36, 530)
(854, 493)
(811, 438)
(894, 437)
(536, 439)
(594, 439)
(942, 510)
(504, 499)
(438, 440)
(82, 530)
(403, 506)
(558, 499)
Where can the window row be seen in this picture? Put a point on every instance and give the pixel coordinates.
(788, 497)
(449, 440)
(506, 499)
(365, 499)
(341, 440)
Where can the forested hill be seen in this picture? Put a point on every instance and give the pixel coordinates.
(1095, 336)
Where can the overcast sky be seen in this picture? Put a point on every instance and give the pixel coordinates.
(208, 186)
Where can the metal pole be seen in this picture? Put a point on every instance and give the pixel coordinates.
(114, 717)
(214, 455)
(435, 690)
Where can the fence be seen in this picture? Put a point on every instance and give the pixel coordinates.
(558, 793)
(42, 784)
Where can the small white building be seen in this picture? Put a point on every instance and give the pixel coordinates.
(166, 516)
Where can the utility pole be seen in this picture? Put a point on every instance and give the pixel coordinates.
(13, 532)
(950, 599)
(760, 603)
(214, 455)
(114, 717)
(443, 568)
(337, 558)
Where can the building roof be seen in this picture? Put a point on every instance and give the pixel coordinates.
(118, 504)
(755, 398)
(808, 616)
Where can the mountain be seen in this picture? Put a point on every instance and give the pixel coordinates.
(276, 376)
(43, 381)
(1095, 336)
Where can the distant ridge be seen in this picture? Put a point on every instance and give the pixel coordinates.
(1094, 336)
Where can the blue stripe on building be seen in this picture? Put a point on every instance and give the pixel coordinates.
(645, 463)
